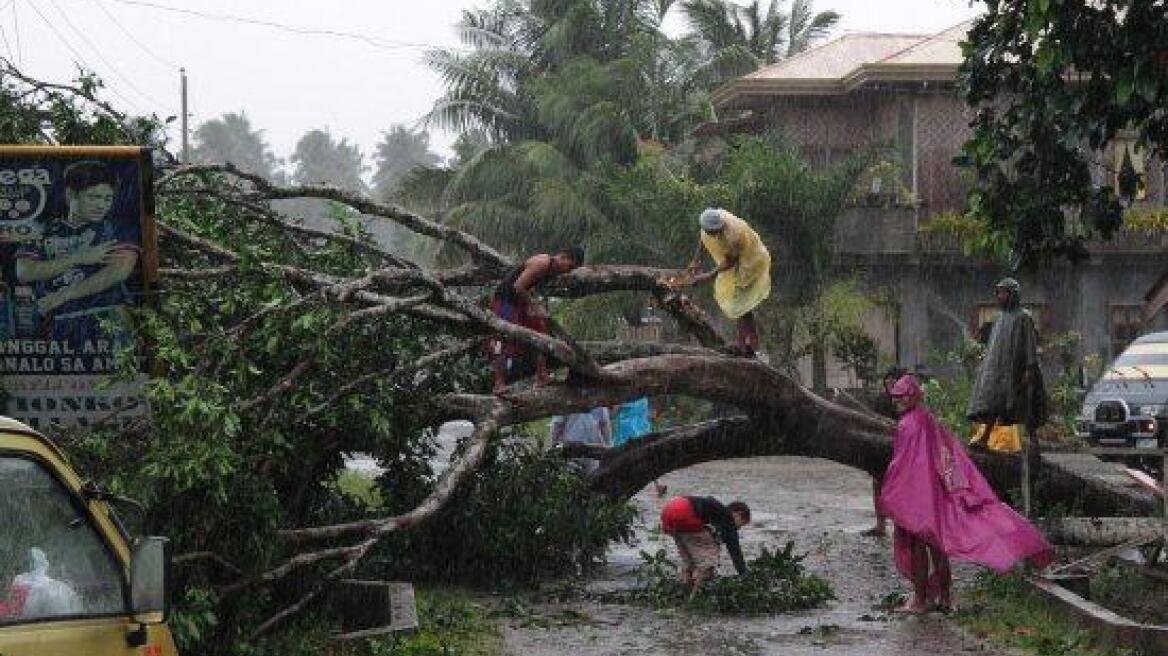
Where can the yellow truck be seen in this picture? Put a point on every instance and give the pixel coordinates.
(72, 581)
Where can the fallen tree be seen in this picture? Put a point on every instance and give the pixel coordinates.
(779, 416)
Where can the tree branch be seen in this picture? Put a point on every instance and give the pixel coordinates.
(467, 242)
(396, 371)
(455, 475)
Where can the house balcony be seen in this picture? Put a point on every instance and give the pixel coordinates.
(863, 232)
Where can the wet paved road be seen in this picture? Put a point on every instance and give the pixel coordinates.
(820, 505)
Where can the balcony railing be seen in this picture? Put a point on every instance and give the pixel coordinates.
(892, 231)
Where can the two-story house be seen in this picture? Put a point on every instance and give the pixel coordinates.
(896, 93)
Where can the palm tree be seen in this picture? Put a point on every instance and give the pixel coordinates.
(230, 138)
(401, 150)
(319, 158)
(741, 39)
(559, 88)
(486, 88)
(804, 27)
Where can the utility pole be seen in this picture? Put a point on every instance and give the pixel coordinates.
(186, 144)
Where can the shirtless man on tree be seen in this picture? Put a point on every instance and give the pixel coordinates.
(515, 302)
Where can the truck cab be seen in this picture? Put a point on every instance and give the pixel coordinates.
(1128, 407)
(72, 581)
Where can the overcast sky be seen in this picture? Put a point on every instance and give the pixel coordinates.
(287, 82)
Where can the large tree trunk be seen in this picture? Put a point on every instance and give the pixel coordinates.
(781, 418)
(1101, 531)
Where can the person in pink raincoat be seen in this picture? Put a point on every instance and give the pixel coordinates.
(943, 507)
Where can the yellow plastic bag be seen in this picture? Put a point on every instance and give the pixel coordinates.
(1002, 438)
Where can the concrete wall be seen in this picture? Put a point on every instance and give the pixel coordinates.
(875, 230)
(938, 302)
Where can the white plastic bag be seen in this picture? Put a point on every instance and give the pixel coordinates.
(44, 596)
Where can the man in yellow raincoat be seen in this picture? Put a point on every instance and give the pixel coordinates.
(743, 274)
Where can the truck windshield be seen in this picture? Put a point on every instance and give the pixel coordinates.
(53, 563)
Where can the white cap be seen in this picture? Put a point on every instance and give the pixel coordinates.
(711, 220)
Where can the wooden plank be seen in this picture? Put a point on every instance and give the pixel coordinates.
(1101, 557)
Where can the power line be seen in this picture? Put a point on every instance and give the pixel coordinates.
(16, 29)
(80, 59)
(97, 51)
(130, 35)
(376, 42)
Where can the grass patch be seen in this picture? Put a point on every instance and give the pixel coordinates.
(1131, 594)
(1003, 610)
(452, 624)
(775, 582)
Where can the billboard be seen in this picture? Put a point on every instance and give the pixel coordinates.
(77, 248)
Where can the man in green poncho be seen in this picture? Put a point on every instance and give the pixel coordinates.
(1009, 388)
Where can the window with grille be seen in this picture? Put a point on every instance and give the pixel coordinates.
(1128, 159)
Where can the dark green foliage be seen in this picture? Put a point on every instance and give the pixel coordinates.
(526, 515)
(571, 92)
(218, 474)
(1054, 81)
(225, 462)
(69, 115)
(775, 582)
(790, 204)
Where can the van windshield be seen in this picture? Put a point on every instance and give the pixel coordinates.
(1141, 359)
(53, 562)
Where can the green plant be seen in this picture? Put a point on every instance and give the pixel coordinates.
(525, 516)
(857, 351)
(972, 231)
(1002, 609)
(194, 617)
(949, 401)
(882, 185)
(774, 582)
(1150, 220)
(1064, 389)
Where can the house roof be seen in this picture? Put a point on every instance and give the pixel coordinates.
(850, 62)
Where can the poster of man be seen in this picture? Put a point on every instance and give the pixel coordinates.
(74, 231)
